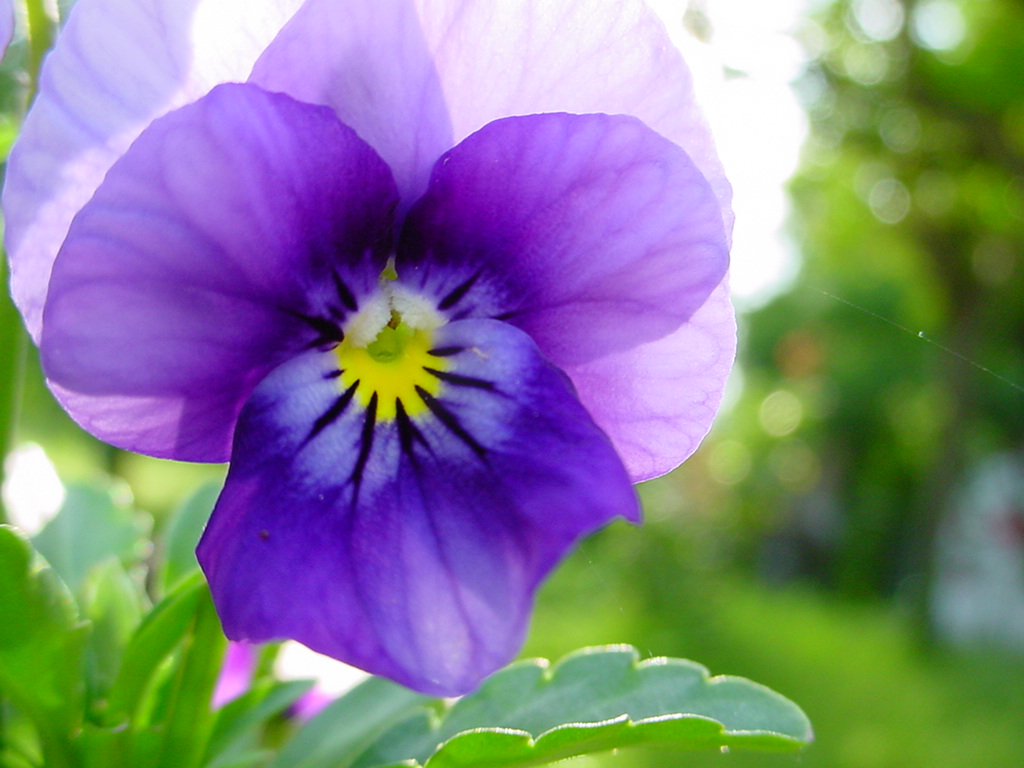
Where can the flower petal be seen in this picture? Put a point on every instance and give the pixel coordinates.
(411, 548)
(6, 24)
(592, 233)
(117, 66)
(657, 401)
(370, 62)
(235, 232)
(490, 60)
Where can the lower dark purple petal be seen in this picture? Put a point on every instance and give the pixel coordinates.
(410, 547)
(234, 232)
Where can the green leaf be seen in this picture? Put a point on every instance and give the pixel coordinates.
(594, 700)
(115, 603)
(239, 722)
(178, 544)
(96, 523)
(101, 747)
(349, 725)
(189, 719)
(160, 633)
(41, 645)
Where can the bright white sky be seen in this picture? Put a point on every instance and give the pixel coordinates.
(757, 122)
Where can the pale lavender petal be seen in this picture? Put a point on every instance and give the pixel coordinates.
(117, 66)
(6, 24)
(369, 60)
(657, 401)
(234, 233)
(592, 233)
(236, 673)
(410, 548)
(491, 60)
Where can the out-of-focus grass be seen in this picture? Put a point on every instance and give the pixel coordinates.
(875, 697)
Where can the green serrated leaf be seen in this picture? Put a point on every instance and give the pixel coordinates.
(178, 544)
(41, 645)
(96, 522)
(594, 700)
(344, 730)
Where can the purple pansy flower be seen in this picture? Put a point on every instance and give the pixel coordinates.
(6, 24)
(442, 278)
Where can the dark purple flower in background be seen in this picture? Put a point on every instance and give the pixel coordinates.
(441, 278)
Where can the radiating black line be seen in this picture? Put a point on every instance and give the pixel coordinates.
(451, 421)
(333, 374)
(445, 351)
(408, 432)
(365, 446)
(327, 330)
(458, 293)
(504, 316)
(344, 293)
(459, 380)
(331, 414)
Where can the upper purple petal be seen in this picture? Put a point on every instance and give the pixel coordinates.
(370, 61)
(221, 243)
(411, 547)
(116, 67)
(657, 400)
(592, 233)
(415, 74)
(6, 24)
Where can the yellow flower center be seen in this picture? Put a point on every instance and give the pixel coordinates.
(392, 367)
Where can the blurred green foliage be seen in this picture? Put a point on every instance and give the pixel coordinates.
(871, 387)
(895, 362)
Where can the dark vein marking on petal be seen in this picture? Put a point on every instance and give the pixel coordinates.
(460, 380)
(333, 374)
(451, 421)
(458, 293)
(331, 414)
(504, 316)
(365, 446)
(327, 330)
(344, 293)
(445, 351)
(408, 432)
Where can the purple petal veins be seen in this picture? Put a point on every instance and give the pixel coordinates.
(441, 279)
(176, 291)
(117, 67)
(420, 539)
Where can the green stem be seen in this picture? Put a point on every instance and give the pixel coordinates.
(57, 750)
(14, 340)
(42, 28)
(190, 719)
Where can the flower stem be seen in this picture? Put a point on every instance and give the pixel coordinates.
(42, 28)
(189, 720)
(13, 339)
